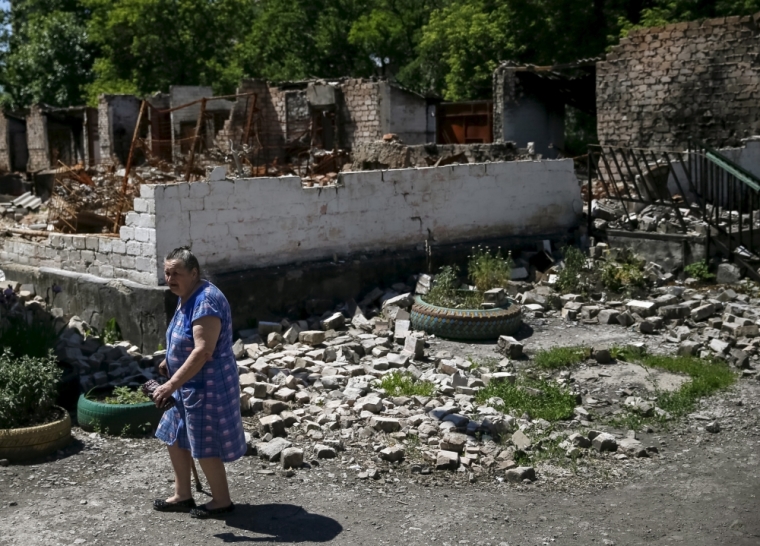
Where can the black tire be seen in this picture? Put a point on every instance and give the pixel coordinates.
(480, 324)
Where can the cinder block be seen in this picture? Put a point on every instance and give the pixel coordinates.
(134, 248)
(118, 246)
(148, 191)
(126, 233)
(141, 205)
(143, 234)
(199, 189)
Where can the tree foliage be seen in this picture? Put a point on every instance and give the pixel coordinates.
(63, 51)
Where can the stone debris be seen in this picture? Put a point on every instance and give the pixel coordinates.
(313, 386)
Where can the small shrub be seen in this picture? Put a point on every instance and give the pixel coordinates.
(404, 384)
(111, 332)
(624, 273)
(28, 389)
(570, 278)
(445, 291)
(561, 357)
(550, 401)
(125, 395)
(699, 271)
(489, 270)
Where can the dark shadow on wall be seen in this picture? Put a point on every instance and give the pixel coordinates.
(279, 523)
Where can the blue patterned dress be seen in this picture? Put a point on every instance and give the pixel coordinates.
(206, 418)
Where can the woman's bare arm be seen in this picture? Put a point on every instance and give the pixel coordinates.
(206, 332)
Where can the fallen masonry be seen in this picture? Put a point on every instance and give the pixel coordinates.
(312, 389)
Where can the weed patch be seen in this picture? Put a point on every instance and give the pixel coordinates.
(404, 384)
(540, 399)
(560, 357)
(706, 378)
(490, 363)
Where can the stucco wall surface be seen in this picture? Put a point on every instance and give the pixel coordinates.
(269, 221)
(260, 222)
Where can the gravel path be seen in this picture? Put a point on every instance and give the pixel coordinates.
(701, 489)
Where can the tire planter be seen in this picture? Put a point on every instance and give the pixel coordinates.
(478, 324)
(28, 443)
(113, 418)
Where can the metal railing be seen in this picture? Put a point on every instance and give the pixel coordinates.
(699, 182)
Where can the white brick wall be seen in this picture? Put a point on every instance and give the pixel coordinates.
(273, 221)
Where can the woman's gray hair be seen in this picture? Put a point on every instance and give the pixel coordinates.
(185, 256)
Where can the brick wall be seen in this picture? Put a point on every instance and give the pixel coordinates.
(5, 155)
(130, 256)
(36, 140)
(660, 86)
(360, 114)
(258, 222)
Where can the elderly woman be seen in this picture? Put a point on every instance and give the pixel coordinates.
(205, 421)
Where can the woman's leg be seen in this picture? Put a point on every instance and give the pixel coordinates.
(213, 468)
(181, 461)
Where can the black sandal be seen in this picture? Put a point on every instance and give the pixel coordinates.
(181, 506)
(201, 512)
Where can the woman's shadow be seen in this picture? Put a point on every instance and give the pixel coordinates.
(279, 523)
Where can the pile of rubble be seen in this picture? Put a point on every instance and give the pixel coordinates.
(314, 387)
(663, 218)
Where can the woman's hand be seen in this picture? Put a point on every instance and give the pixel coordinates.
(162, 394)
(163, 369)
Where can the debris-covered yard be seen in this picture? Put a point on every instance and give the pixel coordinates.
(698, 487)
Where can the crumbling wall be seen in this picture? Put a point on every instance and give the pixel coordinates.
(521, 116)
(5, 152)
(117, 117)
(360, 113)
(130, 256)
(36, 140)
(393, 155)
(16, 141)
(272, 221)
(662, 86)
(408, 117)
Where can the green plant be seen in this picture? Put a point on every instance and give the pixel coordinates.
(624, 273)
(111, 332)
(705, 378)
(445, 291)
(560, 357)
(23, 338)
(124, 395)
(28, 388)
(570, 276)
(699, 270)
(627, 353)
(489, 362)
(540, 399)
(489, 270)
(160, 347)
(405, 384)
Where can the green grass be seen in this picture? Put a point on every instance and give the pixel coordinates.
(706, 378)
(560, 357)
(404, 384)
(490, 363)
(554, 404)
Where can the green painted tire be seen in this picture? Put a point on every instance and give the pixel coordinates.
(29, 443)
(114, 418)
(476, 324)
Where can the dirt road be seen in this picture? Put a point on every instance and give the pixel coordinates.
(702, 489)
